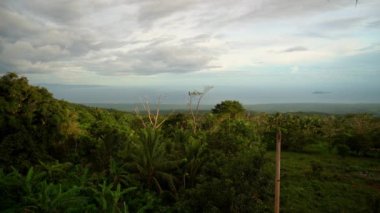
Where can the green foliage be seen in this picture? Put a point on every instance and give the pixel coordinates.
(231, 184)
(150, 161)
(52, 198)
(62, 157)
(32, 122)
(233, 135)
(342, 150)
(107, 140)
(195, 153)
(33, 193)
(298, 131)
(359, 133)
(231, 108)
(55, 171)
(316, 168)
(109, 199)
(328, 183)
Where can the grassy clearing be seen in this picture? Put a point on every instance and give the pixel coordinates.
(328, 183)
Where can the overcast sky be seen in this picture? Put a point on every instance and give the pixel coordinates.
(255, 51)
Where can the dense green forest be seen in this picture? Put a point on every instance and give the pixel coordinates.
(57, 156)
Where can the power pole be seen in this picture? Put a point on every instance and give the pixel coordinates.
(277, 179)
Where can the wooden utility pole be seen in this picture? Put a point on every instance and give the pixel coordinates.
(277, 179)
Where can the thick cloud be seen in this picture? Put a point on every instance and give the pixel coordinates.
(146, 37)
(39, 35)
(14, 26)
(150, 11)
(151, 59)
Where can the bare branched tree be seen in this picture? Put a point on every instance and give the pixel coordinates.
(153, 118)
(196, 96)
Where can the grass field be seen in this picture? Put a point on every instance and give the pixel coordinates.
(328, 183)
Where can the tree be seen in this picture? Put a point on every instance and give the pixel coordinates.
(150, 160)
(32, 122)
(196, 96)
(154, 120)
(232, 108)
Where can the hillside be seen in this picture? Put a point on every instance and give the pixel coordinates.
(57, 156)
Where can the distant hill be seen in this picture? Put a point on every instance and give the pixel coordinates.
(329, 108)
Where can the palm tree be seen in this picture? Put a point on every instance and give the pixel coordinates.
(195, 152)
(150, 162)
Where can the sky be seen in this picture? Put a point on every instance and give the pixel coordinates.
(253, 51)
